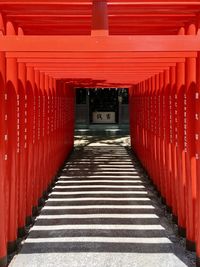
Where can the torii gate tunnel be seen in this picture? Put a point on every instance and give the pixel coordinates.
(48, 48)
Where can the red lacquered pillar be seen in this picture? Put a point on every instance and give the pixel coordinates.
(50, 132)
(179, 137)
(46, 133)
(143, 125)
(62, 121)
(190, 147)
(72, 116)
(3, 221)
(197, 131)
(52, 108)
(131, 114)
(49, 102)
(156, 132)
(158, 174)
(56, 123)
(30, 143)
(13, 149)
(55, 167)
(139, 121)
(142, 120)
(162, 139)
(53, 124)
(154, 128)
(148, 126)
(63, 147)
(50, 123)
(166, 123)
(172, 149)
(135, 118)
(151, 125)
(22, 147)
(158, 92)
(37, 165)
(42, 138)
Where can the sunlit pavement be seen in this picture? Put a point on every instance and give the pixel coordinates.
(118, 140)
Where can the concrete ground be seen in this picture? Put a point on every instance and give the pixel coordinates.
(103, 212)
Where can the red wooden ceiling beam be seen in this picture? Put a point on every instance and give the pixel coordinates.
(112, 76)
(101, 44)
(105, 74)
(47, 2)
(73, 23)
(87, 61)
(33, 14)
(117, 78)
(113, 2)
(98, 65)
(97, 55)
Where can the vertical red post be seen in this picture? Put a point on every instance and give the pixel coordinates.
(197, 130)
(179, 141)
(3, 209)
(148, 123)
(13, 149)
(151, 125)
(154, 131)
(37, 165)
(158, 129)
(172, 145)
(30, 143)
(162, 139)
(166, 123)
(22, 147)
(51, 106)
(39, 132)
(131, 114)
(143, 123)
(190, 147)
(46, 132)
(53, 115)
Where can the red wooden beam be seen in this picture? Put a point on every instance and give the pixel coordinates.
(97, 55)
(108, 65)
(99, 44)
(87, 61)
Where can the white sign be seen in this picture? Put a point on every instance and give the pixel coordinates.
(103, 117)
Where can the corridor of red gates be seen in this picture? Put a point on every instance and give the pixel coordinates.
(99, 133)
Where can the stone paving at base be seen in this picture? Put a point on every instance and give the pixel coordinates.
(101, 213)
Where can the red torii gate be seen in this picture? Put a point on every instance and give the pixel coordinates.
(47, 53)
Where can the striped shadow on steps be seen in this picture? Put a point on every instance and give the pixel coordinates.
(100, 208)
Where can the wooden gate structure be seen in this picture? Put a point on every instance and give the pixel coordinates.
(48, 48)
